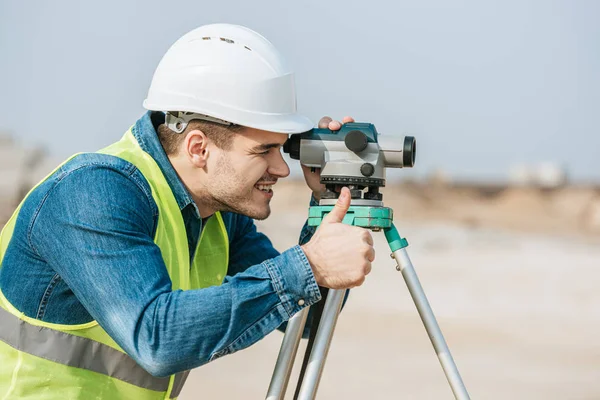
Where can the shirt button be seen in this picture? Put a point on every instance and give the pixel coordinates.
(301, 302)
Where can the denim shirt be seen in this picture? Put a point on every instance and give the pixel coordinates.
(83, 250)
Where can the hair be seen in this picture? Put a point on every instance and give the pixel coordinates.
(220, 135)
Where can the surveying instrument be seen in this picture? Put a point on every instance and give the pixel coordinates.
(356, 157)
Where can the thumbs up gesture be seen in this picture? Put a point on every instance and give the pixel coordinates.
(340, 255)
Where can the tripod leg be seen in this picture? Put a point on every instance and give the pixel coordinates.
(316, 362)
(287, 355)
(433, 329)
(315, 313)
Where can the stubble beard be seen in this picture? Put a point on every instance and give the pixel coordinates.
(224, 198)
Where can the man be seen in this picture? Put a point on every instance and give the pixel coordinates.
(126, 268)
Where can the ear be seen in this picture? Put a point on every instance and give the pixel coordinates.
(196, 148)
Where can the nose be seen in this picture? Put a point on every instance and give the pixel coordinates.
(278, 166)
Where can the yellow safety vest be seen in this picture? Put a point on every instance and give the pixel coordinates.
(44, 361)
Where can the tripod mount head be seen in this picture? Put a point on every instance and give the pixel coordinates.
(355, 156)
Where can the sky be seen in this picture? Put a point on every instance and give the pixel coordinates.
(482, 85)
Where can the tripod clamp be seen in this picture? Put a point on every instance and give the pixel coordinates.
(364, 216)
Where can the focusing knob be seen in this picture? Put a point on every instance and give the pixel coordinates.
(367, 169)
(356, 141)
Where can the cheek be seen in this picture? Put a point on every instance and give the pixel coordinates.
(240, 169)
(252, 170)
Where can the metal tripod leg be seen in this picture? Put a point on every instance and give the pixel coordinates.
(399, 253)
(316, 362)
(287, 355)
(431, 325)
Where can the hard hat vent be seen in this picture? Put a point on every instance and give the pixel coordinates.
(231, 41)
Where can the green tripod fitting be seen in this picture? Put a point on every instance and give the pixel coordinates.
(374, 218)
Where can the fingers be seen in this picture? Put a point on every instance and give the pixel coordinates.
(334, 125)
(331, 124)
(371, 254)
(368, 267)
(369, 250)
(362, 276)
(324, 122)
(366, 237)
(338, 212)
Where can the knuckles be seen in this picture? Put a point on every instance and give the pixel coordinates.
(366, 250)
(360, 280)
(366, 236)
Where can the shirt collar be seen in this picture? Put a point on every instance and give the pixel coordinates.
(144, 131)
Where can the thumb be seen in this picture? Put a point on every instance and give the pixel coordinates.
(340, 208)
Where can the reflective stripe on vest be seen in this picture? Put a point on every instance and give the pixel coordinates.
(75, 351)
(35, 354)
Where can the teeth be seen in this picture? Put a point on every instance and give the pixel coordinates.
(264, 188)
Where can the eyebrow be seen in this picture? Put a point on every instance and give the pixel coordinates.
(266, 146)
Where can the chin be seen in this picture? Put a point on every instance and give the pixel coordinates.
(251, 208)
(260, 214)
(258, 210)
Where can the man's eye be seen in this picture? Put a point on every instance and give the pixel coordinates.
(264, 153)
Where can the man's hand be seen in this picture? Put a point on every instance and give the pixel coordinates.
(340, 255)
(313, 179)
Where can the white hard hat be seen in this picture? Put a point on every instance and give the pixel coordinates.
(230, 73)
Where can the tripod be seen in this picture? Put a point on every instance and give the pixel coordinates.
(372, 215)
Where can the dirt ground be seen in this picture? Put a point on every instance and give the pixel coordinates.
(511, 275)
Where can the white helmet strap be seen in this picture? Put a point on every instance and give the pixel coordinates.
(177, 121)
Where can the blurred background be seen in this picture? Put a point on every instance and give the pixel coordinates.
(502, 210)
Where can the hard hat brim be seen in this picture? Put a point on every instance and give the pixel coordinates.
(286, 124)
(278, 123)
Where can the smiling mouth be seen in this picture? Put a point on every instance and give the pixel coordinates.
(267, 188)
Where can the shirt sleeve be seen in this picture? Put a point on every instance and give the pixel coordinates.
(249, 247)
(95, 228)
(305, 235)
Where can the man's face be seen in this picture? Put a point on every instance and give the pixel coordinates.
(240, 179)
